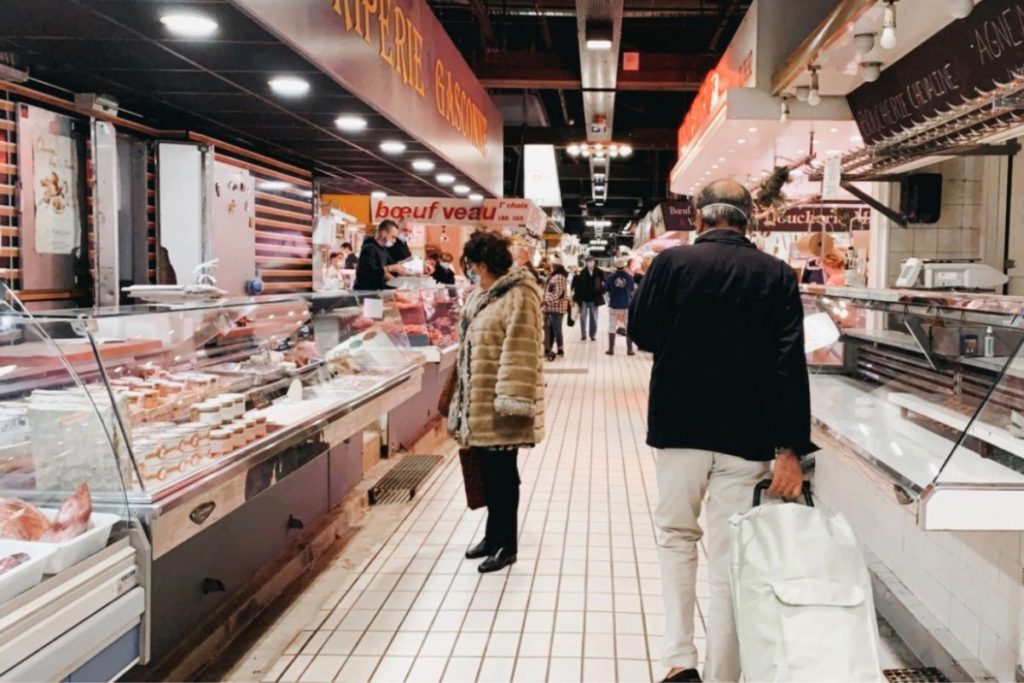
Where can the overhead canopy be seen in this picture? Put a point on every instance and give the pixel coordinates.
(521, 216)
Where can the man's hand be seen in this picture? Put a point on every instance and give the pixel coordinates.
(788, 478)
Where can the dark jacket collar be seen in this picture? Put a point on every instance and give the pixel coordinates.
(725, 236)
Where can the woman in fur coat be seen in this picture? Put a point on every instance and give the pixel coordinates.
(497, 405)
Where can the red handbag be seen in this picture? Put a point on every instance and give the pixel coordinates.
(473, 477)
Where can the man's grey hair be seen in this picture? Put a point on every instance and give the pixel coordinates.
(725, 202)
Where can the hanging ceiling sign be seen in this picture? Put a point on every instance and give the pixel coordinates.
(965, 60)
(395, 56)
(675, 215)
(489, 214)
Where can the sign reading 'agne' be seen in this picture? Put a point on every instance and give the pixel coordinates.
(384, 22)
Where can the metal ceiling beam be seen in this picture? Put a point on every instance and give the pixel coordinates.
(479, 11)
(659, 72)
(599, 69)
(831, 28)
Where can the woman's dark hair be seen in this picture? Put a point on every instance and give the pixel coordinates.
(559, 269)
(435, 256)
(490, 250)
(346, 245)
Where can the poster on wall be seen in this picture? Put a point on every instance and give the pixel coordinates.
(51, 198)
(56, 208)
(234, 229)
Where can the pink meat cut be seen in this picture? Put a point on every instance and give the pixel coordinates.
(11, 561)
(73, 517)
(21, 521)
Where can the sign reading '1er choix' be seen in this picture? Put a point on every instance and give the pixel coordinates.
(395, 56)
(968, 57)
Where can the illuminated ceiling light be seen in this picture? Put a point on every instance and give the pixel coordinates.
(961, 9)
(802, 91)
(741, 141)
(274, 185)
(476, 197)
(378, 194)
(461, 189)
(871, 71)
(392, 147)
(888, 39)
(625, 150)
(752, 129)
(350, 123)
(423, 165)
(598, 35)
(784, 110)
(573, 150)
(814, 94)
(864, 42)
(289, 86)
(714, 166)
(445, 178)
(585, 151)
(189, 25)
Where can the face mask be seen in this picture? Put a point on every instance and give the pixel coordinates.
(403, 237)
(389, 243)
(473, 276)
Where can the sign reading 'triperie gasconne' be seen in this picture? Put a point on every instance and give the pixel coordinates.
(395, 56)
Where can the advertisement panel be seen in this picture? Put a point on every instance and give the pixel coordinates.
(490, 213)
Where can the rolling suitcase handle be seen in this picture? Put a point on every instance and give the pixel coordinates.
(763, 485)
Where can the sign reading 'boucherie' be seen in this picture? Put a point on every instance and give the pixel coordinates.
(395, 56)
(969, 56)
(815, 217)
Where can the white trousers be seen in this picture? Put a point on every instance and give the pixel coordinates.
(684, 478)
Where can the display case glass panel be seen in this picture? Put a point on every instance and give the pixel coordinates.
(929, 387)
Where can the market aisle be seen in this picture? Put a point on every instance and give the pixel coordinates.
(584, 600)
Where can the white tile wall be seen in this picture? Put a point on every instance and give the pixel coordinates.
(970, 581)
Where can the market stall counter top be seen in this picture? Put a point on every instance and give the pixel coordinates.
(928, 387)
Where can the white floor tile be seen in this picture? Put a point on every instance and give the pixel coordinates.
(358, 668)
(374, 643)
(406, 644)
(535, 645)
(428, 669)
(340, 643)
(497, 669)
(388, 620)
(439, 644)
(509, 620)
(565, 670)
(393, 669)
(530, 669)
(502, 645)
(462, 669)
(470, 644)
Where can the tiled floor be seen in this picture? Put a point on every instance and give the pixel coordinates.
(582, 603)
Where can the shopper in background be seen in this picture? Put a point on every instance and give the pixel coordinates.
(556, 305)
(620, 287)
(834, 266)
(351, 261)
(442, 269)
(497, 404)
(375, 263)
(399, 250)
(523, 260)
(588, 293)
(729, 394)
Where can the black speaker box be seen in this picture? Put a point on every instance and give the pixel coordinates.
(921, 197)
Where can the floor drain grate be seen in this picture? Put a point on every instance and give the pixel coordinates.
(566, 371)
(400, 484)
(914, 676)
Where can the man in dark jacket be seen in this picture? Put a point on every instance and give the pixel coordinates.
(399, 250)
(619, 287)
(588, 292)
(729, 395)
(375, 266)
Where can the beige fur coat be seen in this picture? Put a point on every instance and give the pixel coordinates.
(499, 386)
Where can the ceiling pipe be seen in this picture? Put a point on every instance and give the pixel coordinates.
(831, 29)
(545, 33)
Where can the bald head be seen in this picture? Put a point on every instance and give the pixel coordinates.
(724, 204)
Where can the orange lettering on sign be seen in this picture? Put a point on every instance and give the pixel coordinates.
(384, 28)
(369, 7)
(710, 97)
(402, 56)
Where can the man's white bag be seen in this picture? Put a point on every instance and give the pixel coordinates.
(801, 595)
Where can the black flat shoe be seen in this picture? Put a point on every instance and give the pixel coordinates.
(684, 676)
(478, 551)
(496, 562)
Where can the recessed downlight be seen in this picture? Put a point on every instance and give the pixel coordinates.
(273, 185)
(445, 178)
(392, 147)
(350, 123)
(289, 86)
(476, 197)
(378, 194)
(189, 25)
(461, 189)
(423, 165)
(741, 141)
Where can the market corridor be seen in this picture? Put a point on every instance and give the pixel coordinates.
(584, 600)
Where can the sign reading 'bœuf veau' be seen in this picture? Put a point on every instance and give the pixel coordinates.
(968, 57)
(395, 56)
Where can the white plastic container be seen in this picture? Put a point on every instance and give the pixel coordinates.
(27, 575)
(69, 553)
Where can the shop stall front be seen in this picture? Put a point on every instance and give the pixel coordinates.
(916, 405)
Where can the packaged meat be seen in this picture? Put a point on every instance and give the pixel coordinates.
(21, 521)
(72, 518)
(11, 561)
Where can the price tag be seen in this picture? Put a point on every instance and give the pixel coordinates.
(831, 177)
(373, 309)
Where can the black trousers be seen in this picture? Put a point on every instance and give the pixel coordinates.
(501, 488)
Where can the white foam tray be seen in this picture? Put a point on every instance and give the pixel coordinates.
(69, 553)
(26, 575)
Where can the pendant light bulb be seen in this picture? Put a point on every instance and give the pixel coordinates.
(802, 91)
(961, 9)
(814, 98)
(888, 38)
(784, 110)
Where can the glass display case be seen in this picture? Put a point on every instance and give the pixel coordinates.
(178, 392)
(929, 388)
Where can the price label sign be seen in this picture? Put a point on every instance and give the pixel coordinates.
(831, 177)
